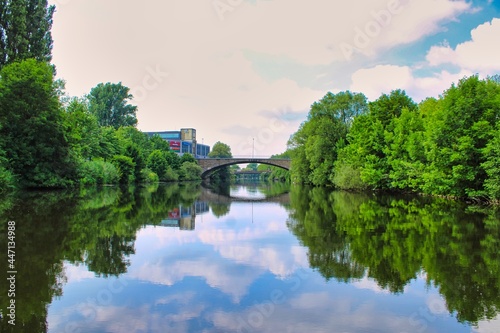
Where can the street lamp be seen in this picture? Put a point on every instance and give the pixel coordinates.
(253, 146)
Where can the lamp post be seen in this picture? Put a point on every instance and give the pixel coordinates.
(253, 146)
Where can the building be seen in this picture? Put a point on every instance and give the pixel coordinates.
(183, 141)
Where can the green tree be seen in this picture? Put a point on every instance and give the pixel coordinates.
(25, 30)
(173, 160)
(314, 147)
(109, 103)
(364, 162)
(457, 132)
(190, 171)
(126, 167)
(84, 132)
(252, 166)
(109, 144)
(492, 166)
(344, 105)
(132, 150)
(220, 150)
(188, 158)
(33, 125)
(157, 162)
(158, 143)
(405, 151)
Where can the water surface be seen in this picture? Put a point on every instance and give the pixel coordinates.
(251, 259)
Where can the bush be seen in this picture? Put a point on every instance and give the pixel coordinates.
(157, 163)
(98, 172)
(126, 167)
(170, 175)
(7, 180)
(190, 171)
(348, 178)
(492, 166)
(148, 176)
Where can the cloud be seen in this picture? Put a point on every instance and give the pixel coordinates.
(369, 284)
(481, 54)
(488, 326)
(75, 273)
(216, 273)
(383, 79)
(387, 24)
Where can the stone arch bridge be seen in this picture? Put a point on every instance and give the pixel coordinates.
(209, 165)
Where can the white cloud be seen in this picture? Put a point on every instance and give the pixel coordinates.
(488, 326)
(370, 284)
(383, 79)
(481, 54)
(75, 273)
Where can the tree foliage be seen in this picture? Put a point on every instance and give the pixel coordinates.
(221, 150)
(25, 30)
(314, 147)
(33, 138)
(109, 103)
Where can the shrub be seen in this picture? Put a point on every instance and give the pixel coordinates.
(190, 171)
(7, 180)
(148, 176)
(98, 172)
(170, 175)
(157, 163)
(348, 178)
(126, 167)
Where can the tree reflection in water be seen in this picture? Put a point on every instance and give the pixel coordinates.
(393, 240)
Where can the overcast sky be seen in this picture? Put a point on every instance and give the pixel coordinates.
(245, 72)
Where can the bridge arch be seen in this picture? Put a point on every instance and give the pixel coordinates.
(210, 165)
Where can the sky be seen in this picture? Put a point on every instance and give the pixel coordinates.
(245, 72)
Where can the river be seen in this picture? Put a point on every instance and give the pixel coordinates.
(249, 258)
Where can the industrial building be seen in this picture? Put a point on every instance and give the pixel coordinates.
(183, 141)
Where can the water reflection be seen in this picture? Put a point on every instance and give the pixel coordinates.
(250, 259)
(396, 240)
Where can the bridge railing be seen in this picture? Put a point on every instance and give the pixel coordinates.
(247, 157)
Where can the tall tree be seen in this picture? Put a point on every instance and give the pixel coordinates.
(315, 145)
(221, 150)
(35, 138)
(109, 103)
(3, 24)
(25, 30)
(364, 161)
(458, 131)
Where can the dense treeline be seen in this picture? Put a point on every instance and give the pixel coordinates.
(51, 141)
(446, 146)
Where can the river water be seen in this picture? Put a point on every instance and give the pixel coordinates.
(249, 258)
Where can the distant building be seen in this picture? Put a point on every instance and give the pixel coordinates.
(183, 141)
